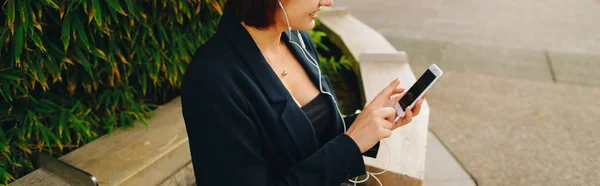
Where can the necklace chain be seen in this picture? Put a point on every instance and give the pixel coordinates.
(285, 72)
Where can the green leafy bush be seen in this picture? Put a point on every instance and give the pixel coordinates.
(73, 70)
(338, 67)
(332, 62)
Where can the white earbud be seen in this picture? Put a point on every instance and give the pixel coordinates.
(315, 63)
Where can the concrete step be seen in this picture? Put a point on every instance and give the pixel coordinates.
(515, 131)
(528, 64)
(441, 168)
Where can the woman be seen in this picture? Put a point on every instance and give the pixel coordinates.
(254, 111)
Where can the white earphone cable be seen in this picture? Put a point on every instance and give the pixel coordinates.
(315, 63)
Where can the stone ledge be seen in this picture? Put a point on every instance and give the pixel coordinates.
(132, 156)
(575, 68)
(40, 177)
(379, 63)
(408, 143)
(185, 176)
(356, 37)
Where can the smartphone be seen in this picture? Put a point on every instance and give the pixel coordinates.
(416, 92)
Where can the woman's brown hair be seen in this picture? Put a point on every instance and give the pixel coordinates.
(259, 14)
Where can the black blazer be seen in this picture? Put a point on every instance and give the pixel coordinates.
(244, 127)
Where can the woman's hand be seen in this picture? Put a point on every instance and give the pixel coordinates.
(408, 114)
(376, 121)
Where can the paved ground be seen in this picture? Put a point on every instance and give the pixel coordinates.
(519, 102)
(519, 132)
(550, 24)
(441, 168)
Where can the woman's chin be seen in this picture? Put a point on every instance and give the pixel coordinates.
(307, 26)
(311, 25)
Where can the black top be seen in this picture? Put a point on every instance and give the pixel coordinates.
(321, 114)
(244, 127)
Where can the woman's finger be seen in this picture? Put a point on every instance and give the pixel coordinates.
(396, 97)
(389, 114)
(386, 93)
(393, 100)
(407, 118)
(388, 125)
(398, 90)
(386, 133)
(417, 108)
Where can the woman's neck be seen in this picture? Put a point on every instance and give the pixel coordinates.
(267, 40)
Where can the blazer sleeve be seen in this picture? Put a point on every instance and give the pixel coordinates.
(372, 152)
(226, 146)
(349, 120)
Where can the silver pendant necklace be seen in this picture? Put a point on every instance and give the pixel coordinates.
(285, 72)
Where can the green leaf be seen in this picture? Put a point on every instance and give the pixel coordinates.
(4, 142)
(49, 104)
(116, 6)
(110, 123)
(50, 137)
(4, 176)
(23, 91)
(97, 12)
(10, 13)
(99, 53)
(18, 43)
(38, 41)
(82, 127)
(83, 60)
(67, 137)
(51, 4)
(130, 7)
(78, 140)
(29, 126)
(10, 77)
(144, 78)
(4, 33)
(75, 107)
(114, 15)
(186, 7)
(61, 122)
(6, 93)
(66, 32)
(52, 66)
(40, 73)
(45, 133)
(81, 32)
(102, 101)
(4, 96)
(162, 31)
(25, 13)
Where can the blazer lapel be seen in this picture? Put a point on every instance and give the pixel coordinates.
(290, 115)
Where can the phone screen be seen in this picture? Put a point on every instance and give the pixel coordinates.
(417, 89)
